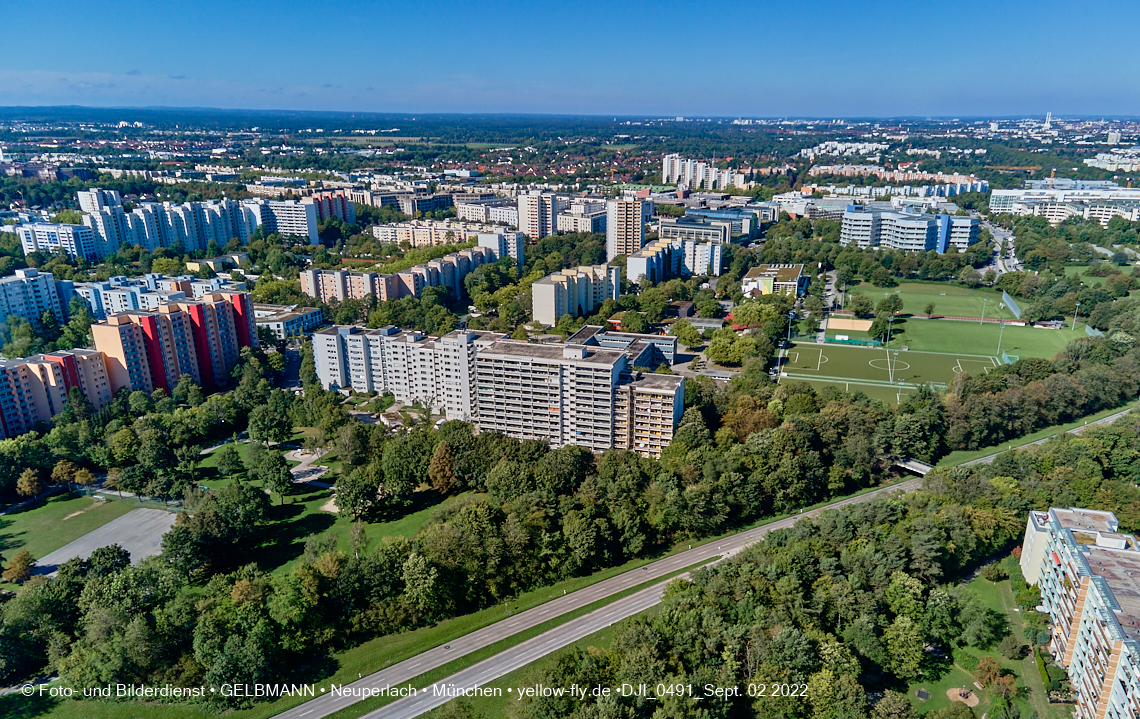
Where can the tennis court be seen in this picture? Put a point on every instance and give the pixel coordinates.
(879, 366)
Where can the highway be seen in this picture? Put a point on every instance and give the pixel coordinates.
(403, 672)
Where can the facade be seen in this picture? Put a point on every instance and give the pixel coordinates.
(74, 240)
(447, 271)
(333, 204)
(505, 244)
(28, 294)
(124, 294)
(1089, 577)
(583, 217)
(35, 389)
(665, 259)
(504, 215)
(200, 337)
(574, 292)
(287, 217)
(625, 226)
(579, 393)
(286, 321)
(430, 233)
(696, 229)
(408, 365)
(537, 212)
(908, 231)
(775, 279)
(744, 222)
(1060, 202)
(646, 411)
(696, 174)
(477, 209)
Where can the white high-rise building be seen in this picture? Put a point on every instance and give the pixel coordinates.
(505, 244)
(75, 240)
(909, 231)
(575, 393)
(665, 259)
(625, 226)
(28, 294)
(537, 213)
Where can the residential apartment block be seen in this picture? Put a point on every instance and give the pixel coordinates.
(582, 393)
(696, 174)
(1091, 201)
(575, 292)
(775, 279)
(447, 271)
(1089, 577)
(35, 389)
(28, 294)
(75, 240)
(665, 259)
(431, 233)
(626, 219)
(200, 337)
(537, 213)
(909, 231)
(582, 217)
(123, 294)
(696, 229)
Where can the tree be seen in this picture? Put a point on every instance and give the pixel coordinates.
(686, 334)
(29, 485)
(928, 310)
(19, 569)
(905, 647)
(861, 305)
(108, 560)
(84, 477)
(275, 475)
(64, 472)
(1011, 648)
(268, 425)
(358, 490)
(441, 470)
(187, 391)
(879, 328)
(229, 460)
(889, 305)
(893, 705)
(634, 321)
(970, 277)
(988, 671)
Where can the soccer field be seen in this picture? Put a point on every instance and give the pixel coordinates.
(949, 299)
(880, 366)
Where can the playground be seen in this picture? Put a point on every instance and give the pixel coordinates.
(880, 372)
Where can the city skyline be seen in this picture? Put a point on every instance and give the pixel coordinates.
(825, 61)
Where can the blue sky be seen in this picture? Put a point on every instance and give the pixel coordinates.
(760, 58)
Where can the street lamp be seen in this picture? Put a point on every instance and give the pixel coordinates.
(791, 316)
(984, 301)
(1075, 311)
(1000, 333)
(890, 324)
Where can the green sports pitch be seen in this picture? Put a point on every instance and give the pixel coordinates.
(878, 366)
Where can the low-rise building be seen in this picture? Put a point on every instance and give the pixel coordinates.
(286, 321)
(775, 279)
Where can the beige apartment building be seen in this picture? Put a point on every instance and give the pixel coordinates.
(646, 411)
(626, 219)
(576, 291)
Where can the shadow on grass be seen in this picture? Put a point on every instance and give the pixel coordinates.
(17, 706)
(281, 538)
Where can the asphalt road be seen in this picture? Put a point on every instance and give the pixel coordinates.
(138, 531)
(403, 672)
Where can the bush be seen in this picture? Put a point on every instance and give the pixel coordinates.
(965, 660)
(1056, 673)
(994, 573)
(1011, 648)
(1045, 678)
(1043, 637)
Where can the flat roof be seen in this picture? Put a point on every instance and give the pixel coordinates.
(1120, 569)
(781, 273)
(552, 352)
(1090, 520)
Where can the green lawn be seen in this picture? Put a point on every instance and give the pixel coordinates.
(63, 518)
(948, 299)
(880, 365)
(890, 395)
(975, 338)
(999, 598)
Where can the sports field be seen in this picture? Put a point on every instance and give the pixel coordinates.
(949, 299)
(856, 367)
(974, 338)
